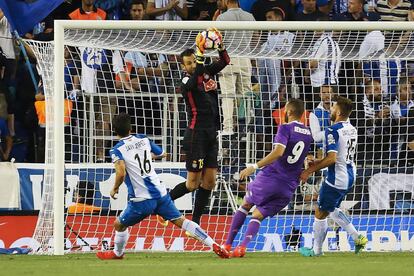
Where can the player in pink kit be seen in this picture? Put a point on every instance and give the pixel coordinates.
(273, 187)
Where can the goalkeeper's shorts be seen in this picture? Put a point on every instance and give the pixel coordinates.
(201, 149)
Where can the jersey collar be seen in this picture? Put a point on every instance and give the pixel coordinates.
(126, 138)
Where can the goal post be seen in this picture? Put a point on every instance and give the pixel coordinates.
(166, 120)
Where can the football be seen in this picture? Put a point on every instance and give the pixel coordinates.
(212, 40)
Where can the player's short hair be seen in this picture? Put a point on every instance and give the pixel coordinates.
(187, 53)
(297, 106)
(345, 105)
(122, 124)
(234, 1)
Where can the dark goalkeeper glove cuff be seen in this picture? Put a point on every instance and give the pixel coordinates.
(199, 57)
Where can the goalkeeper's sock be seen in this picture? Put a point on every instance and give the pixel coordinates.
(200, 202)
(121, 238)
(195, 230)
(179, 191)
(340, 218)
(320, 228)
(251, 231)
(236, 223)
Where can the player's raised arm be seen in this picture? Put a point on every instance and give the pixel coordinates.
(224, 60)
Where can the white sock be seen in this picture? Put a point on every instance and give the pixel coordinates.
(340, 218)
(195, 230)
(120, 241)
(320, 228)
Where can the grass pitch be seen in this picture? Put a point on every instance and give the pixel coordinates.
(254, 264)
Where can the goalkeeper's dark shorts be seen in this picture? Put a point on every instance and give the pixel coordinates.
(201, 149)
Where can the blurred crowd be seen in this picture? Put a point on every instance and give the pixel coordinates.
(381, 87)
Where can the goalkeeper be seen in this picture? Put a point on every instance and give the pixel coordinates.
(199, 90)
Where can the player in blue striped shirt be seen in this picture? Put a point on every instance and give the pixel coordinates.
(340, 142)
(132, 157)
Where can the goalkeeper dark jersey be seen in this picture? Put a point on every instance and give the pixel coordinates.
(200, 93)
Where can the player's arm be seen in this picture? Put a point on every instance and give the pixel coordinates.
(120, 173)
(224, 58)
(331, 142)
(270, 158)
(157, 151)
(190, 82)
(281, 141)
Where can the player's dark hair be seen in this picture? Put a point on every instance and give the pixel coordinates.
(122, 124)
(297, 107)
(187, 53)
(345, 106)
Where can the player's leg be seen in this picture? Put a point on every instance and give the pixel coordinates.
(327, 201)
(134, 213)
(168, 211)
(344, 221)
(209, 149)
(202, 196)
(194, 164)
(251, 232)
(238, 219)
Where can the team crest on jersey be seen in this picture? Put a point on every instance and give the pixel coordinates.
(114, 157)
(210, 85)
(331, 139)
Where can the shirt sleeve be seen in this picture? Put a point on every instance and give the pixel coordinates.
(331, 140)
(157, 150)
(116, 155)
(317, 133)
(282, 136)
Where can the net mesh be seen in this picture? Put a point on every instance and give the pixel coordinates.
(138, 72)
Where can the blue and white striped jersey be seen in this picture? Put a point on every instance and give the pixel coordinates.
(342, 139)
(141, 179)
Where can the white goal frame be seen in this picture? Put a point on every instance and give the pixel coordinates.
(59, 41)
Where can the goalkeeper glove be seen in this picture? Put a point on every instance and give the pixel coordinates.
(200, 41)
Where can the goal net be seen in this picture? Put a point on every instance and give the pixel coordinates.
(95, 70)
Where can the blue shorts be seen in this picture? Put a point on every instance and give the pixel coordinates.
(330, 197)
(138, 211)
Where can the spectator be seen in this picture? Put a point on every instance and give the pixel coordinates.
(88, 11)
(355, 12)
(221, 7)
(324, 6)
(406, 156)
(260, 7)
(395, 10)
(8, 68)
(404, 101)
(310, 12)
(271, 70)
(204, 9)
(236, 77)
(167, 9)
(374, 125)
(399, 113)
(325, 63)
(6, 140)
(137, 10)
(320, 117)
